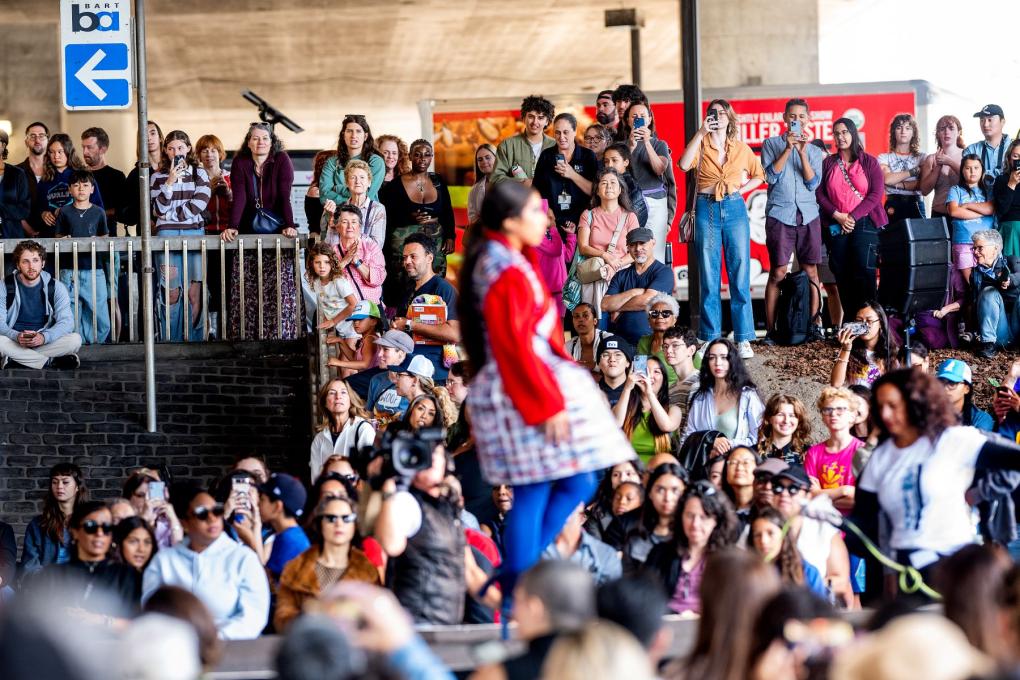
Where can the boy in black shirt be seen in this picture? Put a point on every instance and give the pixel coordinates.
(82, 219)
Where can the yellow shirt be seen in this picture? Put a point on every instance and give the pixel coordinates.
(724, 180)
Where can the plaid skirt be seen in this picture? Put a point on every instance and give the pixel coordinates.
(511, 452)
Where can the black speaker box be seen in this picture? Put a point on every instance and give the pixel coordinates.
(915, 257)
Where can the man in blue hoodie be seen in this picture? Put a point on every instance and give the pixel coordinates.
(36, 321)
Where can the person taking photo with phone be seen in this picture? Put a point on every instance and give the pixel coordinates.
(644, 411)
(793, 170)
(866, 348)
(726, 168)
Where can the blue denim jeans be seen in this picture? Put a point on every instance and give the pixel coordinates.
(82, 289)
(996, 323)
(169, 274)
(722, 231)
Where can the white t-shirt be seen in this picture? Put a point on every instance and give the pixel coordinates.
(921, 489)
(814, 542)
(900, 163)
(536, 149)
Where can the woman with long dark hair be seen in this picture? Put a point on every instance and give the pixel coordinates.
(540, 423)
(666, 486)
(261, 177)
(768, 538)
(727, 399)
(738, 479)
(704, 524)
(918, 476)
(647, 417)
(354, 142)
(863, 357)
(47, 539)
(135, 542)
(850, 202)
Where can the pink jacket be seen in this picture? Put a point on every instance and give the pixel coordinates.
(554, 258)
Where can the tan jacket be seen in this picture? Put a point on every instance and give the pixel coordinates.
(298, 583)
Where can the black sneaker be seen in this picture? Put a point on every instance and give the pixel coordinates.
(68, 362)
(767, 341)
(987, 350)
(9, 363)
(816, 334)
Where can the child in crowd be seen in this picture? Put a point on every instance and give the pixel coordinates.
(971, 211)
(82, 219)
(627, 496)
(366, 319)
(829, 465)
(333, 292)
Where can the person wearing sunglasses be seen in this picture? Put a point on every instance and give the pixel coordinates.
(819, 542)
(704, 523)
(662, 311)
(226, 576)
(331, 558)
(92, 583)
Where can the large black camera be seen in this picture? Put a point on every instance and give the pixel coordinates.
(404, 452)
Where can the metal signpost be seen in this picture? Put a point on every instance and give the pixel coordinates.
(96, 46)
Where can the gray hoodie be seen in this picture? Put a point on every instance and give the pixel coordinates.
(59, 317)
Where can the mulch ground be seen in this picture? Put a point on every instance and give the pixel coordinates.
(813, 362)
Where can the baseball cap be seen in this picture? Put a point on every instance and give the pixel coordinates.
(990, 110)
(795, 473)
(617, 343)
(770, 467)
(364, 310)
(640, 235)
(290, 490)
(397, 340)
(418, 365)
(955, 371)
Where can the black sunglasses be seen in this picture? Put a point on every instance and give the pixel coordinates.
(791, 489)
(349, 518)
(660, 313)
(92, 527)
(202, 513)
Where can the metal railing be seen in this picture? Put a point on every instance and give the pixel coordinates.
(121, 255)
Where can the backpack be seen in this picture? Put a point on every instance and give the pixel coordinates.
(793, 309)
(11, 292)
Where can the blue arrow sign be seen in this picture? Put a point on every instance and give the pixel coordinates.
(96, 75)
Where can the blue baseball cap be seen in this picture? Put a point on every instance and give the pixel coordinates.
(288, 489)
(955, 371)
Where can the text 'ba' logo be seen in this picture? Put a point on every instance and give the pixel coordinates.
(85, 22)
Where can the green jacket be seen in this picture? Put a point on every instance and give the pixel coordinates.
(333, 186)
(513, 151)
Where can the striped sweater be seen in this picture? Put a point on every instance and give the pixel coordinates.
(180, 206)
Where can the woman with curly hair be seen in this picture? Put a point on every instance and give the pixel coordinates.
(395, 157)
(768, 539)
(727, 399)
(919, 476)
(647, 417)
(704, 523)
(901, 169)
(785, 430)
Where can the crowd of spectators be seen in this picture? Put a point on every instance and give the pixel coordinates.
(732, 510)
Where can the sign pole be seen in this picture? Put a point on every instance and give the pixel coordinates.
(690, 72)
(145, 217)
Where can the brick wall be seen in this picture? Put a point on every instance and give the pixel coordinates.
(213, 401)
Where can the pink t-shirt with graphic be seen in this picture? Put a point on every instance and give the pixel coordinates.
(832, 470)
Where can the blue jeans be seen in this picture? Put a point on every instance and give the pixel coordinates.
(169, 273)
(722, 230)
(996, 323)
(82, 289)
(853, 259)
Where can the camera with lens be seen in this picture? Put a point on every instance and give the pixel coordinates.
(404, 453)
(1016, 165)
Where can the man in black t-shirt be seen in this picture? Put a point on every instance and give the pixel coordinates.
(614, 359)
(109, 181)
(427, 293)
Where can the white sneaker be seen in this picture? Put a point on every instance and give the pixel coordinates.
(744, 347)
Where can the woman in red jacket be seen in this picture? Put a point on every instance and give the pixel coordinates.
(539, 422)
(850, 202)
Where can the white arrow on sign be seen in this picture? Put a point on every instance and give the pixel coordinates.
(88, 74)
